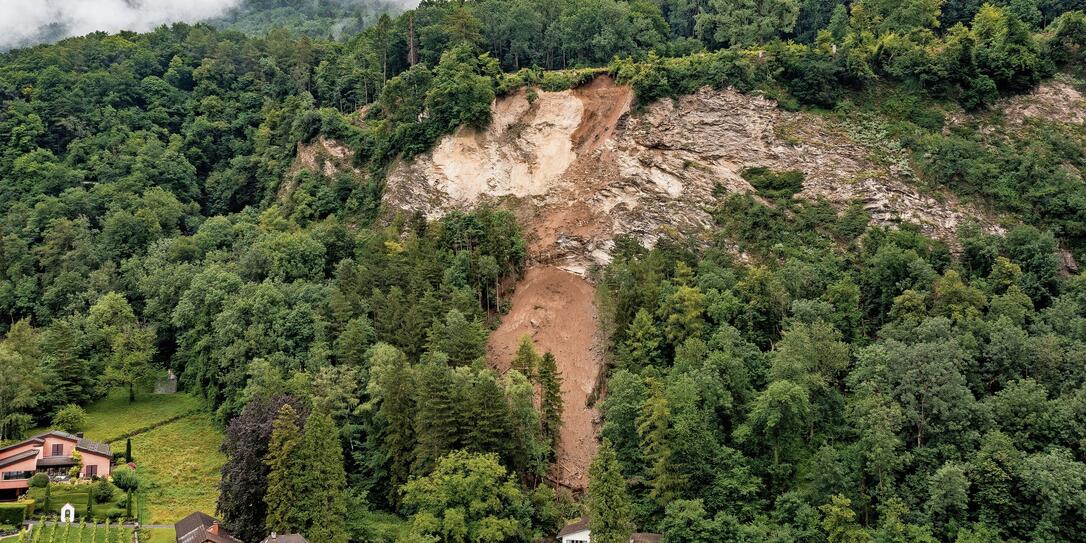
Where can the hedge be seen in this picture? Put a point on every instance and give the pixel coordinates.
(15, 513)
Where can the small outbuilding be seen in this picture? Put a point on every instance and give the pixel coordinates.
(575, 533)
(579, 532)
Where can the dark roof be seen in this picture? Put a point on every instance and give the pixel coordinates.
(18, 458)
(581, 524)
(195, 528)
(56, 461)
(81, 443)
(192, 522)
(96, 447)
(33, 440)
(645, 538)
(285, 538)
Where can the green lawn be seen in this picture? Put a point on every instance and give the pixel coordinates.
(159, 535)
(179, 465)
(76, 494)
(112, 416)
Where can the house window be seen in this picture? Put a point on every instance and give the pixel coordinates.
(58, 449)
(92, 471)
(17, 475)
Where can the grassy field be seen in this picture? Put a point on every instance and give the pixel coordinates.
(179, 465)
(159, 535)
(112, 416)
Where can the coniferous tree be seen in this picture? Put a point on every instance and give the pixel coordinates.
(486, 418)
(396, 391)
(322, 499)
(436, 423)
(642, 345)
(609, 509)
(284, 515)
(551, 403)
(244, 480)
(654, 428)
(89, 513)
(529, 448)
(527, 359)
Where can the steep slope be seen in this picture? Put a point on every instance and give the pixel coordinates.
(555, 308)
(579, 168)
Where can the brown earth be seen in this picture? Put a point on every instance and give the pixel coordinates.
(555, 308)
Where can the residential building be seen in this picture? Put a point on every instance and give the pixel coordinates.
(578, 532)
(575, 533)
(201, 528)
(51, 453)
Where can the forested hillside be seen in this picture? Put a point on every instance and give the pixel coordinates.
(795, 372)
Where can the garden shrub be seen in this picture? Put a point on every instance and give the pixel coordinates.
(12, 513)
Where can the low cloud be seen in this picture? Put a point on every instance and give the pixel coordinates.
(26, 22)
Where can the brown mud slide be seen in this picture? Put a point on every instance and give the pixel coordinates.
(555, 308)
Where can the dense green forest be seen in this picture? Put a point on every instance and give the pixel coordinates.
(842, 383)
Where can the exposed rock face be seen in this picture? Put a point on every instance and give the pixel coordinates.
(323, 156)
(1054, 100)
(579, 168)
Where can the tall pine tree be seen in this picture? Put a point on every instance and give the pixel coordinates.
(550, 404)
(654, 428)
(642, 345)
(529, 448)
(436, 423)
(322, 500)
(284, 477)
(396, 391)
(609, 509)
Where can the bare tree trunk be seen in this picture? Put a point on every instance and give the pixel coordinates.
(412, 54)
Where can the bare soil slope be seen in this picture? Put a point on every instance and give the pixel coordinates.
(555, 308)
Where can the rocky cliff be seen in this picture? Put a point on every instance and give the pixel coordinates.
(580, 167)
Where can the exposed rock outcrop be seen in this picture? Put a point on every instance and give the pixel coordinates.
(579, 168)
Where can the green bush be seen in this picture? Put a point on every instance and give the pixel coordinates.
(71, 419)
(774, 185)
(103, 491)
(12, 513)
(39, 480)
(1068, 44)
